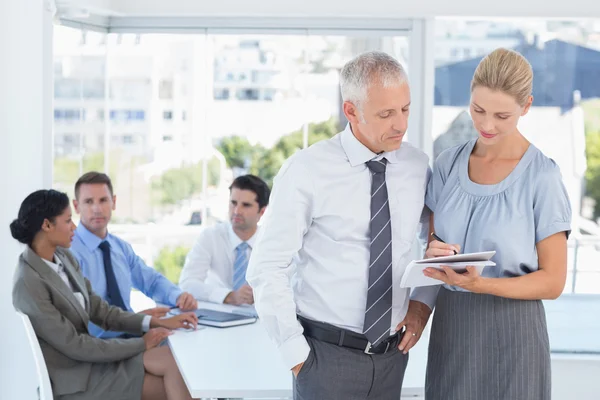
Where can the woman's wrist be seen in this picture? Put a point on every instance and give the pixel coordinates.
(481, 285)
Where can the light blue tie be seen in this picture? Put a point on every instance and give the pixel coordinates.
(240, 265)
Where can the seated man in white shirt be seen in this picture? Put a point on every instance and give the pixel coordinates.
(215, 268)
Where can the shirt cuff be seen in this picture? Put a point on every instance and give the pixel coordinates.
(294, 351)
(426, 295)
(146, 323)
(218, 295)
(551, 230)
(174, 296)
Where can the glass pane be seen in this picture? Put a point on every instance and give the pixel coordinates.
(79, 126)
(258, 89)
(176, 108)
(327, 57)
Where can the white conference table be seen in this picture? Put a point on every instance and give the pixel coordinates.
(242, 362)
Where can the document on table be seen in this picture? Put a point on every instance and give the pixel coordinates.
(413, 275)
(245, 310)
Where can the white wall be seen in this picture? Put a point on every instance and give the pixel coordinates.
(25, 162)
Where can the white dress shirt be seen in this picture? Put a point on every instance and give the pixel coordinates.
(208, 270)
(58, 267)
(318, 221)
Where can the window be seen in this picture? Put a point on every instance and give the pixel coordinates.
(79, 92)
(69, 114)
(165, 89)
(262, 88)
(269, 94)
(133, 90)
(65, 88)
(221, 94)
(247, 94)
(93, 89)
(58, 68)
(127, 115)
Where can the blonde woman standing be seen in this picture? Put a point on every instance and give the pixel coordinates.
(489, 338)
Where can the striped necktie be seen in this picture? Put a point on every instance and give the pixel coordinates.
(240, 265)
(378, 311)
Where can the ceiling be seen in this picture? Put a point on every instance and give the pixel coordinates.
(119, 15)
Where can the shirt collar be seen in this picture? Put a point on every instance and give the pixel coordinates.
(358, 153)
(90, 240)
(236, 241)
(56, 265)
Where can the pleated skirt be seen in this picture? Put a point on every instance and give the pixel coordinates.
(484, 347)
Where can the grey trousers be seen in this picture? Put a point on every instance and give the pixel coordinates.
(338, 373)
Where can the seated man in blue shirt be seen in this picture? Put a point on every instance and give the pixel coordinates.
(109, 262)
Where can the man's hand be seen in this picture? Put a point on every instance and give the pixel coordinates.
(184, 320)
(186, 302)
(157, 312)
(296, 369)
(241, 296)
(155, 336)
(415, 321)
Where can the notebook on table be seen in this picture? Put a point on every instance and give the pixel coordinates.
(222, 319)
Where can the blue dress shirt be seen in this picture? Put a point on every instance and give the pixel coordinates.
(130, 271)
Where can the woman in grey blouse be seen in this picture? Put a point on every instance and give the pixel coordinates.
(498, 192)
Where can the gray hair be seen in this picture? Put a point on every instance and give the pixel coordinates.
(362, 71)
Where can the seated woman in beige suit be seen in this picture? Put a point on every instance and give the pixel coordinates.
(51, 290)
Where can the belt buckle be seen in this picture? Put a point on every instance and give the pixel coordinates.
(370, 346)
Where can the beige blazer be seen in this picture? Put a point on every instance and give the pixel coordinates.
(61, 324)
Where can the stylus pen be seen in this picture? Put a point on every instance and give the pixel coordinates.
(439, 239)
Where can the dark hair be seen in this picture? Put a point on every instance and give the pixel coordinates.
(254, 184)
(37, 207)
(91, 178)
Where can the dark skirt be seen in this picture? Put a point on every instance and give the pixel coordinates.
(121, 380)
(484, 347)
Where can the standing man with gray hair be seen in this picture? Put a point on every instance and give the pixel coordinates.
(346, 211)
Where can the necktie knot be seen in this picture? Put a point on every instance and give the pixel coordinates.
(242, 247)
(377, 166)
(104, 246)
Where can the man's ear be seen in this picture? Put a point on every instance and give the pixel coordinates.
(351, 112)
(262, 211)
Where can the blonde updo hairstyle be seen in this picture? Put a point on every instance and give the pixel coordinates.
(506, 71)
